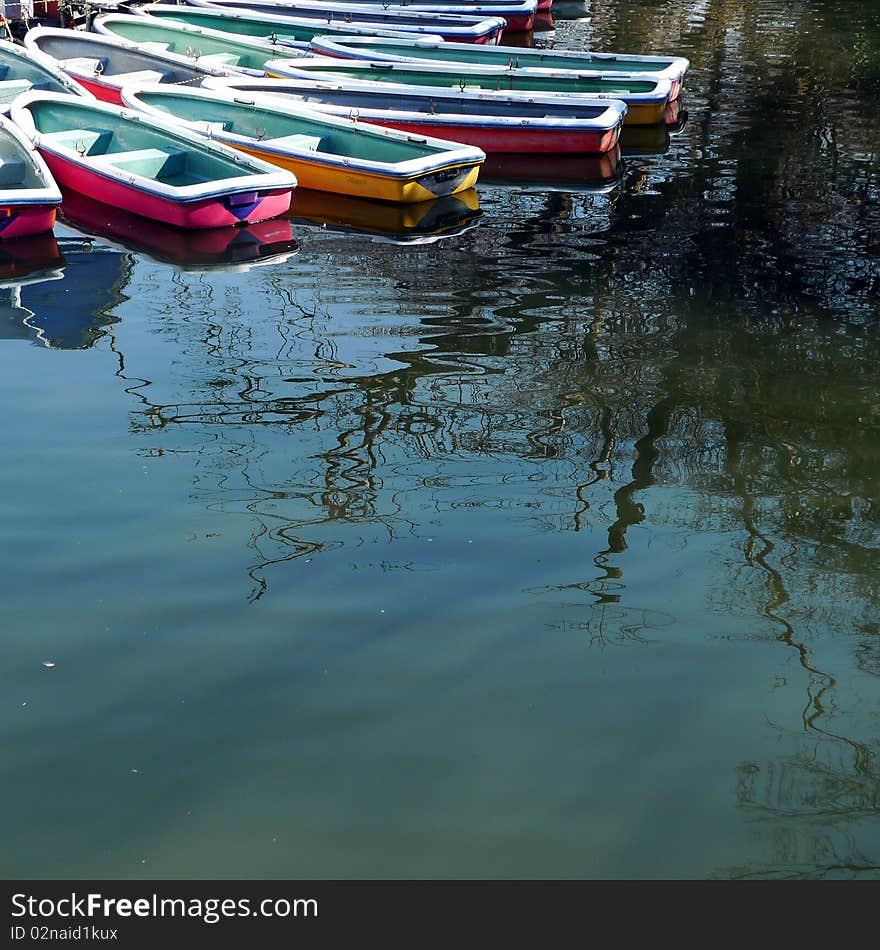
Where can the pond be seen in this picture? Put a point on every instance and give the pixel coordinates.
(535, 533)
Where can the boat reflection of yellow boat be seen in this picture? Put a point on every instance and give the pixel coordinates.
(584, 173)
(420, 223)
(234, 248)
(654, 139)
(638, 140)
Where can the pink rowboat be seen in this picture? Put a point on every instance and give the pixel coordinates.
(29, 196)
(518, 14)
(491, 121)
(131, 161)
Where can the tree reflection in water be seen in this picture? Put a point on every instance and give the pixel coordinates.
(697, 348)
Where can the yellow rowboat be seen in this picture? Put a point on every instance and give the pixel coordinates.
(326, 153)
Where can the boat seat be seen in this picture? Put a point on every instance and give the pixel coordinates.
(84, 64)
(10, 88)
(12, 171)
(220, 59)
(90, 141)
(307, 143)
(147, 162)
(138, 75)
(213, 128)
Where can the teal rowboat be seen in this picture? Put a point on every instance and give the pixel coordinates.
(292, 28)
(421, 49)
(209, 48)
(646, 99)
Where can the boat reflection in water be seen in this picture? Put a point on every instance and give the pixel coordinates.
(24, 262)
(37, 277)
(584, 173)
(227, 248)
(421, 223)
(31, 258)
(654, 139)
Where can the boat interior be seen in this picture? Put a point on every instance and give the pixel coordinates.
(127, 146)
(202, 49)
(116, 64)
(491, 79)
(16, 172)
(284, 131)
(21, 75)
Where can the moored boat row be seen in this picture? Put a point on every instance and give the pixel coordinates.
(159, 112)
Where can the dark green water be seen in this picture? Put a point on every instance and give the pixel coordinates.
(549, 548)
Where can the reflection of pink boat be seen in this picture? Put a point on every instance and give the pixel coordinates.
(28, 256)
(593, 173)
(254, 243)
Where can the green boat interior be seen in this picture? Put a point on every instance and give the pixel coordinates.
(474, 79)
(507, 56)
(20, 75)
(282, 130)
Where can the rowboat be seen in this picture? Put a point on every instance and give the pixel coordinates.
(22, 70)
(491, 121)
(423, 223)
(407, 50)
(325, 152)
(205, 48)
(230, 248)
(103, 65)
(291, 26)
(29, 196)
(134, 162)
(519, 15)
(646, 99)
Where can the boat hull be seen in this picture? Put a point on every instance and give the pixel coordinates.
(215, 212)
(514, 139)
(357, 183)
(21, 221)
(100, 90)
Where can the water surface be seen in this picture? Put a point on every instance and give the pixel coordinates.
(549, 546)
